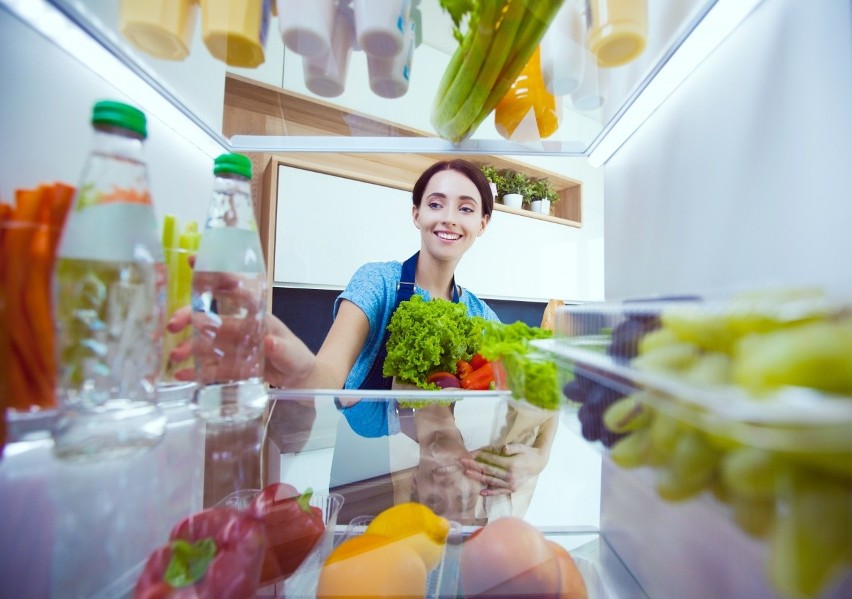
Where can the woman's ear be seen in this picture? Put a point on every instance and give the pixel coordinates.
(483, 225)
(415, 216)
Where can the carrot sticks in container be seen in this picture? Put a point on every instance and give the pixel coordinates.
(29, 236)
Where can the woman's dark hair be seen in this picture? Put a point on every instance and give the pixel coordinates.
(469, 170)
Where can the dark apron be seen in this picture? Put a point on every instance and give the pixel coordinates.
(375, 379)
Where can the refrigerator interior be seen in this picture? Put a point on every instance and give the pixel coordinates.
(736, 181)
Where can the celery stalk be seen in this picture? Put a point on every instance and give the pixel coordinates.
(170, 233)
(464, 120)
(533, 30)
(465, 64)
(483, 69)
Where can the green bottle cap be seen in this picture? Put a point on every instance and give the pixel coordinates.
(232, 163)
(121, 115)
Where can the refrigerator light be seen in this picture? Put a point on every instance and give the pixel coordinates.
(136, 85)
(717, 24)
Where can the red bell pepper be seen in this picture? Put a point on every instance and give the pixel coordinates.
(480, 379)
(477, 361)
(215, 553)
(463, 368)
(293, 528)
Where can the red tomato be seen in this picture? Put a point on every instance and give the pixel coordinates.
(509, 558)
(293, 528)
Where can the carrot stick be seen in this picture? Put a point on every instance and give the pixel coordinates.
(5, 346)
(27, 357)
(37, 300)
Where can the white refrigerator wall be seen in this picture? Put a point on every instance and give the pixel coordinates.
(739, 180)
(742, 177)
(46, 105)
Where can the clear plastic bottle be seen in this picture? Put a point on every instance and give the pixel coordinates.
(109, 298)
(229, 300)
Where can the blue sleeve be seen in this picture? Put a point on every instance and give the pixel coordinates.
(367, 418)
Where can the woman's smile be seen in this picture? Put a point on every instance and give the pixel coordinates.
(448, 235)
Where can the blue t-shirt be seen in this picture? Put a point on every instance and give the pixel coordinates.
(373, 289)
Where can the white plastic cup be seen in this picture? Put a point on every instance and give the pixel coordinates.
(306, 25)
(594, 88)
(389, 76)
(325, 75)
(562, 51)
(380, 26)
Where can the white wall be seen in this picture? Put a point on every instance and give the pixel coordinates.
(328, 226)
(45, 132)
(742, 177)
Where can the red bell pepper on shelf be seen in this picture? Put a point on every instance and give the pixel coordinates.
(293, 528)
(477, 361)
(463, 368)
(215, 553)
(480, 379)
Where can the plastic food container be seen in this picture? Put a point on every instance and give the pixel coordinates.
(234, 31)
(161, 28)
(618, 30)
(744, 402)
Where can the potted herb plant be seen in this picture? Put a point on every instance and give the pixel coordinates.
(493, 176)
(514, 187)
(543, 194)
(553, 197)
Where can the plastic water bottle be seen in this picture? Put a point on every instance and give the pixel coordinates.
(109, 298)
(229, 300)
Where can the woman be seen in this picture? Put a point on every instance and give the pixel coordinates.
(452, 206)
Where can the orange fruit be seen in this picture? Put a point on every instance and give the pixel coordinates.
(415, 525)
(372, 566)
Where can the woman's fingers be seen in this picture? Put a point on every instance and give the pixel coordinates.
(486, 474)
(289, 362)
(181, 318)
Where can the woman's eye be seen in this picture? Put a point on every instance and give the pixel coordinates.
(435, 205)
(467, 209)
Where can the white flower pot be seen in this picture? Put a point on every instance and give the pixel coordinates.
(544, 207)
(513, 200)
(535, 206)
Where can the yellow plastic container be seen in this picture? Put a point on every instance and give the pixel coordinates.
(234, 31)
(528, 97)
(160, 28)
(618, 30)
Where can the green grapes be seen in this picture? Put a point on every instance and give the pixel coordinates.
(631, 451)
(750, 472)
(816, 355)
(627, 414)
(812, 538)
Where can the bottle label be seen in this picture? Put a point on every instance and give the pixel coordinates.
(117, 232)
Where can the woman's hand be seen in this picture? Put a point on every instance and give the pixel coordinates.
(289, 362)
(515, 464)
(505, 472)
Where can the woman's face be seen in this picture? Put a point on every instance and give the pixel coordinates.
(440, 482)
(450, 215)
